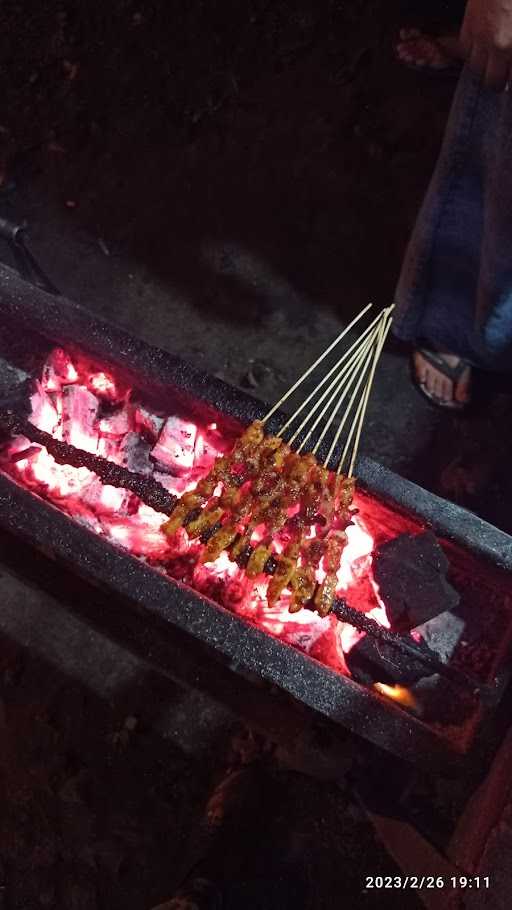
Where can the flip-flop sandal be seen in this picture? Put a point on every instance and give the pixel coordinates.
(452, 373)
(449, 70)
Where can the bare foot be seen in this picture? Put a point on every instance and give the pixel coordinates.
(420, 50)
(439, 385)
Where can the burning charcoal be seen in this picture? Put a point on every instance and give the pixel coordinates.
(371, 661)
(134, 454)
(175, 485)
(115, 422)
(147, 424)
(58, 371)
(205, 452)
(79, 409)
(102, 385)
(175, 447)
(100, 498)
(411, 574)
(44, 413)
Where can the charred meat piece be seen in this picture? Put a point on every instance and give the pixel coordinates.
(221, 540)
(187, 504)
(286, 565)
(325, 593)
(240, 545)
(206, 519)
(324, 596)
(345, 492)
(302, 583)
(257, 560)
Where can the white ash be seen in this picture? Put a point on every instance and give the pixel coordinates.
(104, 498)
(134, 454)
(79, 413)
(204, 453)
(44, 414)
(174, 450)
(58, 370)
(147, 424)
(117, 423)
(176, 485)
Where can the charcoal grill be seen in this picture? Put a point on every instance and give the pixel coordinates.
(472, 681)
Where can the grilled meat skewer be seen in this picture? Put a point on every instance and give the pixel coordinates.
(261, 480)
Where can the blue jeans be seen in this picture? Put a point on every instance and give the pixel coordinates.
(455, 288)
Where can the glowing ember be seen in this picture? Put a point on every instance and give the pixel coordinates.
(44, 411)
(84, 407)
(356, 558)
(103, 384)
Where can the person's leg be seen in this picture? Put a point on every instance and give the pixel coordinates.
(457, 266)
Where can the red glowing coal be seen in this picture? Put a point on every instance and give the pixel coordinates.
(90, 410)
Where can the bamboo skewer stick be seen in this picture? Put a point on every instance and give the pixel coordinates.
(355, 344)
(361, 405)
(363, 354)
(352, 374)
(316, 363)
(385, 330)
(378, 348)
(337, 384)
(348, 409)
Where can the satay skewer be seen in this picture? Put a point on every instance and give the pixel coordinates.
(261, 479)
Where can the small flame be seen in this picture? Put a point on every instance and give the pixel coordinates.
(397, 693)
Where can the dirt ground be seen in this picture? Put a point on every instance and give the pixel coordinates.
(231, 182)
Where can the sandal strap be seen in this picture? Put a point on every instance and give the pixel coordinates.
(439, 363)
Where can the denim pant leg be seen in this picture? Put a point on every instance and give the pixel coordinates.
(455, 289)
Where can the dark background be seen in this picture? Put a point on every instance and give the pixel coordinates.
(232, 181)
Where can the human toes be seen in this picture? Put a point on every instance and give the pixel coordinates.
(420, 368)
(462, 393)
